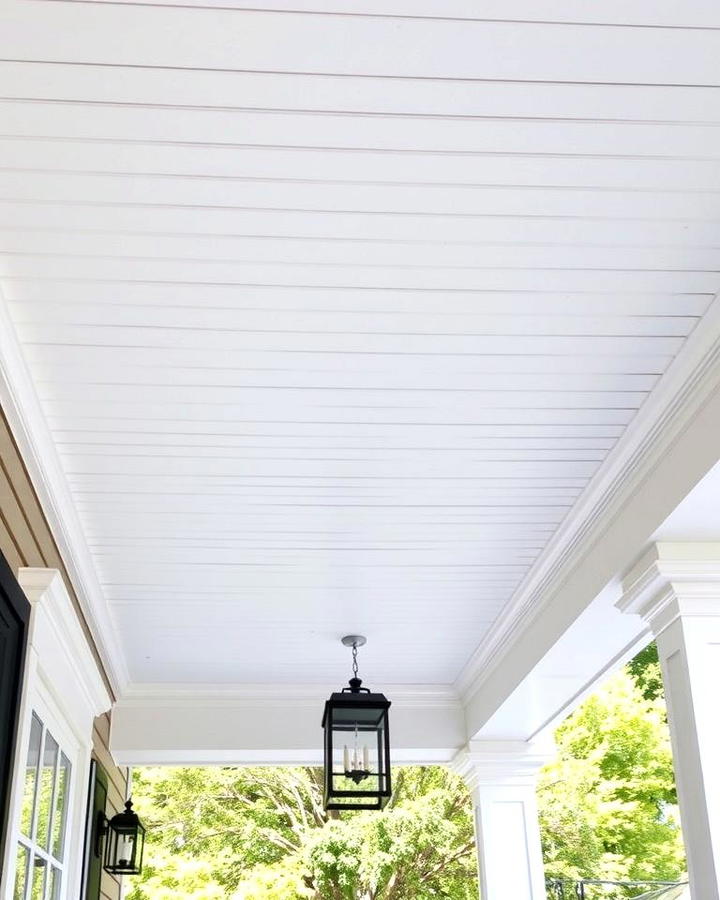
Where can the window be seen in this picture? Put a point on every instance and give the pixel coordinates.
(43, 818)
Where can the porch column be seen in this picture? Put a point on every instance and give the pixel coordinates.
(502, 777)
(675, 587)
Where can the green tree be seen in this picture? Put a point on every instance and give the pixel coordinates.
(262, 834)
(607, 802)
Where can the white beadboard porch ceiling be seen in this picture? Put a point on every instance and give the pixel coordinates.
(334, 308)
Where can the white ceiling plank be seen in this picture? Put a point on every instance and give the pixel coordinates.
(217, 38)
(240, 399)
(394, 199)
(333, 253)
(418, 278)
(148, 86)
(456, 434)
(696, 13)
(51, 358)
(76, 456)
(420, 231)
(370, 325)
(73, 442)
(356, 302)
(405, 377)
(544, 343)
(338, 132)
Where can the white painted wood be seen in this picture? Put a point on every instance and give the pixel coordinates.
(205, 223)
(334, 253)
(675, 587)
(332, 318)
(694, 14)
(502, 780)
(63, 685)
(363, 95)
(184, 725)
(394, 199)
(222, 39)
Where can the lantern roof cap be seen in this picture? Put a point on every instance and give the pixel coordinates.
(126, 819)
(347, 698)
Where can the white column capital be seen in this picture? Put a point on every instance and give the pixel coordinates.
(673, 579)
(501, 776)
(502, 762)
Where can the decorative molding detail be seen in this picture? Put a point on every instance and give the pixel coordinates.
(272, 696)
(22, 408)
(673, 579)
(685, 387)
(502, 762)
(64, 659)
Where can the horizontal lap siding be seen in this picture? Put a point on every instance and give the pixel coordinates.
(25, 540)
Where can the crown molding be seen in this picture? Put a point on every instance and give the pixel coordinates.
(505, 762)
(672, 579)
(692, 377)
(275, 696)
(22, 409)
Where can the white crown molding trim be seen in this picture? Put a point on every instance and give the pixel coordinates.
(149, 695)
(21, 406)
(502, 762)
(681, 392)
(673, 579)
(64, 658)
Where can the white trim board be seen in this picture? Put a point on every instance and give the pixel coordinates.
(672, 443)
(21, 407)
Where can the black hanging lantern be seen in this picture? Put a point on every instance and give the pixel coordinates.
(124, 842)
(357, 744)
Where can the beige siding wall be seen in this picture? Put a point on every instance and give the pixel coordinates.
(26, 540)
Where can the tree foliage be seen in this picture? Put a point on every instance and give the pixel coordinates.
(608, 802)
(607, 807)
(262, 834)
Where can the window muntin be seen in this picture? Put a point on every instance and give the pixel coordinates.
(43, 817)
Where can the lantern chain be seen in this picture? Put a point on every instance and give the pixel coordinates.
(354, 662)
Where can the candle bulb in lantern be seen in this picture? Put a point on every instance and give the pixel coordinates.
(346, 759)
(366, 762)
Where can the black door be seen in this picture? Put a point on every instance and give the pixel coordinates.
(14, 615)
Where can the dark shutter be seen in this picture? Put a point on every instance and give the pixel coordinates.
(14, 616)
(92, 860)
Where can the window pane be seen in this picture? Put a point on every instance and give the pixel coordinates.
(55, 881)
(60, 815)
(33, 758)
(38, 878)
(20, 873)
(45, 792)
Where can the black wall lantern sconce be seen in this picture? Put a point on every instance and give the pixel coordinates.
(357, 744)
(124, 841)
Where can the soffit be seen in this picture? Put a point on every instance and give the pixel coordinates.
(332, 318)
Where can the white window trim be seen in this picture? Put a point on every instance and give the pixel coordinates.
(63, 684)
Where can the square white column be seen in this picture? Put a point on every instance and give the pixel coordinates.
(502, 777)
(676, 589)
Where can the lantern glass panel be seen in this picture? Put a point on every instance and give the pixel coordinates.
(357, 770)
(124, 848)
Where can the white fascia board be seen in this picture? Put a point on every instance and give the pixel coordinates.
(24, 414)
(671, 445)
(270, 724)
